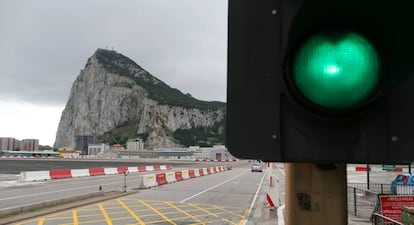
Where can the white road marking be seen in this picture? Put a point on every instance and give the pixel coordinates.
(280, 215)
(210, 188)
(255, 197)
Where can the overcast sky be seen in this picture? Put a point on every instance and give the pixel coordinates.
(45, 43)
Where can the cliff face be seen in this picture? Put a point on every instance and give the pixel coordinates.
(115, 99)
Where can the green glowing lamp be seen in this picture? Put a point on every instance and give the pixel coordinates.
(336, 70)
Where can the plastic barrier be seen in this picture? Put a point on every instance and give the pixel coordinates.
(171, 177)
(60, 174)
(148, 181)
(185, 174)
(80, 173)
(218, 169)
(201, 172)
(96, 171)
(121, 170)
(142, 169)
(191, 174)
(157, 168)
(215, 169)
(205, 171)
(169, 167)
(196, 172)
(179, 176)
(163, 167)
(133, 169)
(208, 170)
(161, 178)
(149, 168)
(34, 176)
(109, 171)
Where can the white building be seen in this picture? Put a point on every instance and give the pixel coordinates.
(97, 149)
(135, 144)
(217, 152)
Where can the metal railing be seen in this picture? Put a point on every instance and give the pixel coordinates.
(378, 219)
(364, 203)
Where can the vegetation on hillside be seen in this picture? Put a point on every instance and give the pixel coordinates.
(157, 90)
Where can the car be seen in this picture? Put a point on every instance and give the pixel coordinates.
(402, 180)
(257, 167)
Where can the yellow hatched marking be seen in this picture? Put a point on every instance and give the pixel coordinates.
(131, 212)
(204, 210)
(230, 212)
(244, 217)
(158, 212)
(107, 219)
(229, 221)
(75, 217)
(41, 221)
(184, 212)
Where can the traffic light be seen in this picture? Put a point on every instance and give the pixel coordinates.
(321, 80)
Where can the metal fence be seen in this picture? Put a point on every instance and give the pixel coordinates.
(378, 219)
(363, 201)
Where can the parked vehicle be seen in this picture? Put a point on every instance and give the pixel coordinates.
(257, 167)
(403, 181)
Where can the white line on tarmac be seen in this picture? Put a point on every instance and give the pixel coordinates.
(255, 197)
(208, 189)
(283, 172)
(280, 215)
(48, 192)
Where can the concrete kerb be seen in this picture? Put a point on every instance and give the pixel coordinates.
(13, 215)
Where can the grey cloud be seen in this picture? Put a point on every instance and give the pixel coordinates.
(44, 44)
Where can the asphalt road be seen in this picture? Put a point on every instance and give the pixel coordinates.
(222, 198)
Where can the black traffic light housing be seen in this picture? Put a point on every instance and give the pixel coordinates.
(269, 119)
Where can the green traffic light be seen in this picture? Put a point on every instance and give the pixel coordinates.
(336, 70)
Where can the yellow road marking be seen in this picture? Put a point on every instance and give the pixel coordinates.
(244, 217)
(204, 210)
(41, 221)
(228, 211)
(229, 221)
(131, 212)
(107, 219)
(75, 217)
(158, 212)
(184, 212)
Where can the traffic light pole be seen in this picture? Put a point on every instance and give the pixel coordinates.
(316, 194)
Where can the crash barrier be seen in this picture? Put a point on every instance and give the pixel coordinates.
(148, 181)
(69, 173)
(216, 160)
(80, 173)
(60, 174)
(34, 175)
(161, 178)
(186, 174)
(157, 179)
(171, 177)
(179, 176)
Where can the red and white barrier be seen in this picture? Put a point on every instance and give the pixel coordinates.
(185, 174)
(148, 181)
(152, 180)
(69, 173)
(375, 169)
(171, 177)
(80, 173)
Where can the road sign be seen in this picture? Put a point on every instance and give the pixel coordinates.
(391, 205)
(388, 167)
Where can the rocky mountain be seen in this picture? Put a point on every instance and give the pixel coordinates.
(115, 99)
